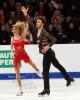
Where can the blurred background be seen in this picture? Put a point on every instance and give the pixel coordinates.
(62, 18)
(63, 22)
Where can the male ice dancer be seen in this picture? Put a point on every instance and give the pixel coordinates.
(45, 42)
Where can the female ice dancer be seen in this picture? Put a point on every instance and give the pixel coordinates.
(17, 47)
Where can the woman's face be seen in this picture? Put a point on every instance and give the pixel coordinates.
(15, 30)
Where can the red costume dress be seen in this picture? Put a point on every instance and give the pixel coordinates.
(19, 52)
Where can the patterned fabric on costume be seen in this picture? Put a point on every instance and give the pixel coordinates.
(19, 52)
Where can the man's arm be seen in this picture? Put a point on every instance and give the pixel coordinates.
(52, 39)
(30, 22)
(32, 27)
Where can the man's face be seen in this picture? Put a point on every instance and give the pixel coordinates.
(39, 23)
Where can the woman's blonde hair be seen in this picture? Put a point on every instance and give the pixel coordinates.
(20, 26)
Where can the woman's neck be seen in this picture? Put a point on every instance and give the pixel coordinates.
(17, 36)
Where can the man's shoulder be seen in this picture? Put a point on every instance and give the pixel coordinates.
(44, 31)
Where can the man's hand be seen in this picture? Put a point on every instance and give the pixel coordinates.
(24, 10)
(45, 49)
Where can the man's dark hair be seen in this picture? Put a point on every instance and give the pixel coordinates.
(43, 19)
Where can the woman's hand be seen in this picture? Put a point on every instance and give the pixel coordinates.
(13, 53)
